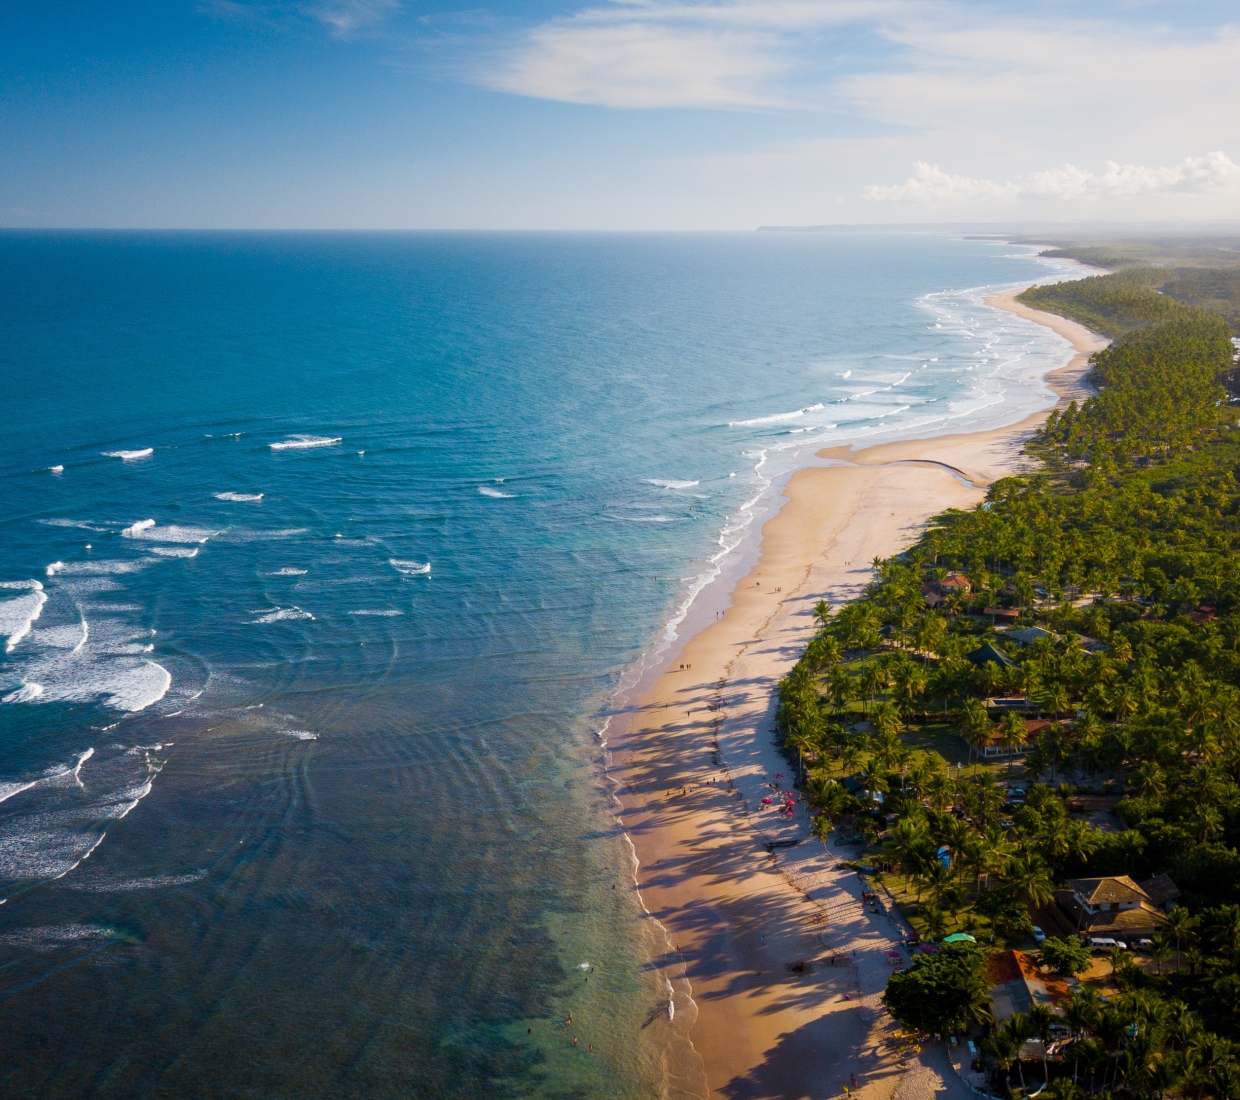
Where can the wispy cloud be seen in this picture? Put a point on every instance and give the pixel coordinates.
(346, 17)
(734, 54)
(1214, 173)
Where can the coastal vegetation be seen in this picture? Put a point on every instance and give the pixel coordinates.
(1045, 690)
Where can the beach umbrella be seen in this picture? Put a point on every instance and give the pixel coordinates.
(959, 937)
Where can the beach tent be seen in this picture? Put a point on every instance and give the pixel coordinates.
(959, 937)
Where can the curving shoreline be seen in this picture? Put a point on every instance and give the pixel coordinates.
(694, 757)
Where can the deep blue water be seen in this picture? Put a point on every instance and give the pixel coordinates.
(300, 788)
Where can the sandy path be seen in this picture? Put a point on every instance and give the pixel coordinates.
(695, 758)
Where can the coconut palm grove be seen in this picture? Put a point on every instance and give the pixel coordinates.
(1030, 725)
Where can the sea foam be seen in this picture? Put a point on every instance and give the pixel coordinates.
(775, 418)
(238, 496)
(130, 456)
(410, 568)
(17, 616)
(302, 442)
(496, 494)
(670, 483)
(281, 614)
(148, 529)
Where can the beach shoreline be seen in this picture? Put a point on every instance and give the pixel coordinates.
(777, 968)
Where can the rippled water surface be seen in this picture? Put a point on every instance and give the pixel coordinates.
(322, 556)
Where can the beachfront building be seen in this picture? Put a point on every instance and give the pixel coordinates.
(1017, 984)
(1027, 635)
(1113, 906)
(1033, 727)
(936, 593)
(986, 653)
(1162, 892)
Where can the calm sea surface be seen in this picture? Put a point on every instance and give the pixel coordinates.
(323, 556)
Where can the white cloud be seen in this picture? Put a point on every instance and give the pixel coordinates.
(345, 17)
(930, 184)
(637, 65)
(735, 54)
(1212, 174)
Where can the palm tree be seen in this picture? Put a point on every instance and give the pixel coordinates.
(1019, 1028)
(1080, 1012)
(936, 921)
(1027, 877)
(1040, 1018)
(822, 614)
(841, 687)
(1180, 923)
(1003, 1048)
(1014, 735)
(1151, 781)
(875, 780)
(1161, 949)
(803, 738)
(975, 726)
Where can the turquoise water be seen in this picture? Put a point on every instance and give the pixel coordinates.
(324, 556)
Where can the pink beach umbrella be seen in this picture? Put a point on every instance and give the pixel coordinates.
(766, 802)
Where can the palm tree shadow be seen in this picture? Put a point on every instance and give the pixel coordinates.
(811, 1063)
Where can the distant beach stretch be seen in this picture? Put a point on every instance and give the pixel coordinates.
(779, 966)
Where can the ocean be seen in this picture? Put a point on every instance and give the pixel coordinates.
(324, 558)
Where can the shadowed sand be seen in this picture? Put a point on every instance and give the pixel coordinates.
(695, 757)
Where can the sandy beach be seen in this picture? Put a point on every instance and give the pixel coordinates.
(784, 965)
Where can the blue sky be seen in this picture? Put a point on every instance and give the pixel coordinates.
(657, 114)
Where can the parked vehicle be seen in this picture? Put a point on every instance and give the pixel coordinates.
(1105, 943)
(1038, 934)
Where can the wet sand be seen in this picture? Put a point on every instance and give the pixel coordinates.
(754, 928)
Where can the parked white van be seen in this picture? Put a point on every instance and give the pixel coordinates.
(1105, 943)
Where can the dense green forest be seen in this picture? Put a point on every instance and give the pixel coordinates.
(1121, 553)
(1200, 273)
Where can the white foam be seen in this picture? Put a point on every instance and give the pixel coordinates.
(72, 523)
(154, 882)
(282, 614)
(97, 568)
(775, 418)
(17, 616)
(670, 483)
(27, 693)
(55, 469)
(301, 735)
(238, 496)
(175, 551)
(495, 494)
(380, 614)
(130, 456)
(139, 688)
(289, 571)
(410, 568)
(301, 442)
(241, 534)
(147, 529)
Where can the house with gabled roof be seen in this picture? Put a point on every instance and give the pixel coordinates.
(1113, 906)
(1161, 891)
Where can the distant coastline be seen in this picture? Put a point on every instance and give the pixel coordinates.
(743, 914)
